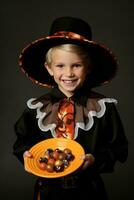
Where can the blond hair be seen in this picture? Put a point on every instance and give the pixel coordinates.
(80, 51)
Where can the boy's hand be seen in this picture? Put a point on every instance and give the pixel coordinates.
(29, 155)
(88, 161)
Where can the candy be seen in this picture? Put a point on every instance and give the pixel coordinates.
(56, 160)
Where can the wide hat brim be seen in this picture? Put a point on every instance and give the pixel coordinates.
(32, 59)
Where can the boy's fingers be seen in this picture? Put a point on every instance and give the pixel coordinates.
(88, 160)
(85, 165)
(27, 154)
(89, 157)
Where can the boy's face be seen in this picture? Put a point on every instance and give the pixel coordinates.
(68, 70)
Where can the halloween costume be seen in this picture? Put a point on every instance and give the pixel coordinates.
(93, 120)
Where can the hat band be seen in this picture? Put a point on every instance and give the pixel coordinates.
(66, 34)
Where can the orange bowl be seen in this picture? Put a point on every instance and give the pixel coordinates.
(32, 164)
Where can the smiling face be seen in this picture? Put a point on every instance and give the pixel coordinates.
(68, 70)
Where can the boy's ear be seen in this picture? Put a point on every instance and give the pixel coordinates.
(50, 71)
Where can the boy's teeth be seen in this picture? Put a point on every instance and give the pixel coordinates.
(68, 81)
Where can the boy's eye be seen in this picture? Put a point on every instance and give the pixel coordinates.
(60, 65)
(77, 65)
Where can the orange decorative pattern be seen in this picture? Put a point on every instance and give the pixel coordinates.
(65, 119)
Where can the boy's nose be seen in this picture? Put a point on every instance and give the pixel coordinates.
(69, 71)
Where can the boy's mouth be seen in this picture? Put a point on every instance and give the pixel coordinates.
(68, 81)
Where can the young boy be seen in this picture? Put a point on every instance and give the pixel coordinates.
(72, 63)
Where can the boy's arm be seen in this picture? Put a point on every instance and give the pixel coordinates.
(27, 133)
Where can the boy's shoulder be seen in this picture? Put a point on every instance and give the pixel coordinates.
(43, 99)
(96, 96)
(97, 101)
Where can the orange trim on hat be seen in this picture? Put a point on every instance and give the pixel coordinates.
(63, 35)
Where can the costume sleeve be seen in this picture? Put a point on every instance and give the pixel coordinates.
(27, 133)
(112, 144)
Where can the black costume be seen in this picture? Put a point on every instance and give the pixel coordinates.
(98, 129)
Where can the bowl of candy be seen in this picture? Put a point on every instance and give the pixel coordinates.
(55, 157)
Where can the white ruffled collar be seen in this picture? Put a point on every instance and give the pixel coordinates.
(46, 114)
